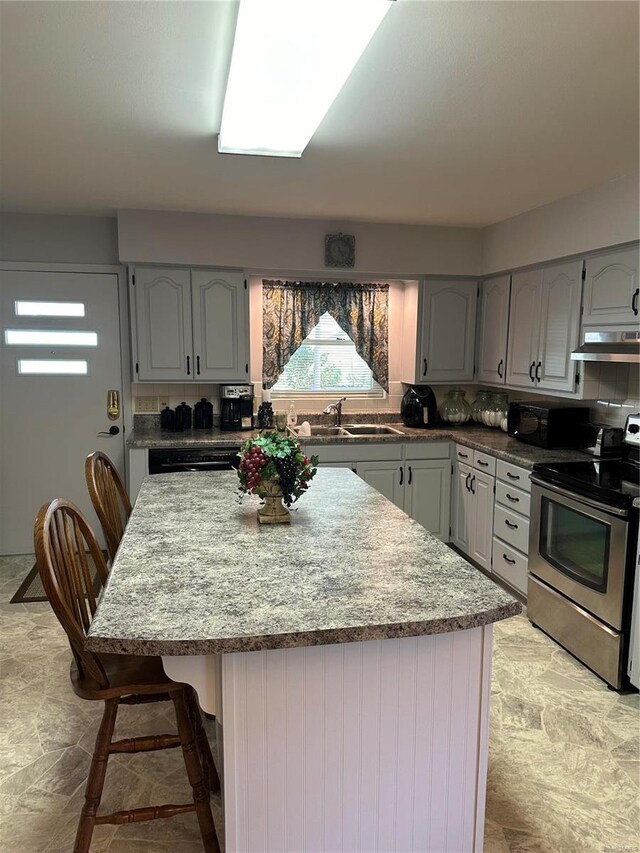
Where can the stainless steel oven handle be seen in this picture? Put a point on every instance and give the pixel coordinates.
(190, 465)
(610, 510)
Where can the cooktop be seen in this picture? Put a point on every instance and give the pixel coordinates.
(610, 481)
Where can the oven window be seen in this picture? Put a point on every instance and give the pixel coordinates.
(576, 544)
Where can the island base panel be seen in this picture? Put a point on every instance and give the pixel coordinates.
(379, 745)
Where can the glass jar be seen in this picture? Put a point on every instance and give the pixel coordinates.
(455, 409)
(496, 411)
(479, 405)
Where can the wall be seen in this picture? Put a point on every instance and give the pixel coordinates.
(601, 216)
(37, 238)
(266, 245)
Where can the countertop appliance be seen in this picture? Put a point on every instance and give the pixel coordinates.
(546, 423)
(419, 407)
(236, 407)
(171, 460)
(600, 440)
(582, 555)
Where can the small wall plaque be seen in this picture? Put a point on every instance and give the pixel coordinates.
(339, 250)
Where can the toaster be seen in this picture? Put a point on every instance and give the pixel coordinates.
(601, 440)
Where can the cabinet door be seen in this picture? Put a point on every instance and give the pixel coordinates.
(524, 328)
(428, 494)
(387, 477)
(448, 312)
(220, 328)
(163, 324)
(482, 532)
(493, 325)
(611, 288)
(559, 326)
(462, 508)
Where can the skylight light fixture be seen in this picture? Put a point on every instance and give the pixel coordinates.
(290, 59)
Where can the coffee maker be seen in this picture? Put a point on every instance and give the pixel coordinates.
(419, 407)
(236, 407)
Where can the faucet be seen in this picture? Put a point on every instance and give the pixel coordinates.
(337, 408)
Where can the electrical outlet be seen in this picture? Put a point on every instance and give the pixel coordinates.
(146, 404)
(163, 402)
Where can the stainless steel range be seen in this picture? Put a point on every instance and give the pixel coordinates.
(582, 554)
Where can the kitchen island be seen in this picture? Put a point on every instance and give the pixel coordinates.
(346, 657)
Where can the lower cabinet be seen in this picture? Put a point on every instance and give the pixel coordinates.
(386, 477)
(427, 494)
(472, 510)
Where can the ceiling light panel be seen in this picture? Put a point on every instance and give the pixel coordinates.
(290, 59)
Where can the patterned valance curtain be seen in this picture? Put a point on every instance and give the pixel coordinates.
(292, 308)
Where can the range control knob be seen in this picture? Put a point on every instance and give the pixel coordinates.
(633, 428)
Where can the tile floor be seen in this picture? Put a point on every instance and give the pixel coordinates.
(564, 768)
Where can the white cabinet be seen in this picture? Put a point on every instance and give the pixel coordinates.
(427, 494)
(447, 311)
(472, 513)
(543, 328)
(612, 289)
(386, 477)
(189, 325)
(511, 525)
(493, 326)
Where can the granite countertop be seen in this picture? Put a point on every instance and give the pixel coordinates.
(492, 441)
(196, 573)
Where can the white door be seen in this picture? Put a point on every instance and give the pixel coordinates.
(559, 326)
(482, 537)
(220, 303)
(428, 494)
(612, 288)
(462, 507)
(387, 477)
(163, 349)
(448, 330)
(493, 326)
(60, 356)
(524, 328)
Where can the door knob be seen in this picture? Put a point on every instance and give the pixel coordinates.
(113, 430)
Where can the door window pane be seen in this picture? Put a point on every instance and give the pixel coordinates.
(53, 366)
(576, 544)
(44, 337)
(40, 308)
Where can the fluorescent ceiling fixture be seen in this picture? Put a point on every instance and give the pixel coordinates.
(52, 366)
(33, 308)
(290, 59)
(44, 337)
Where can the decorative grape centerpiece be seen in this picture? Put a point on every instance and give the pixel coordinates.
(275, 468)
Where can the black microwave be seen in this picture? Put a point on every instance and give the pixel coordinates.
(547, 423)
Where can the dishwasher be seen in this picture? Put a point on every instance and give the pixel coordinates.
(167, 461)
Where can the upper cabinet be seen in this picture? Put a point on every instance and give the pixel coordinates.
(447, 331)
(189, 325)
(611, 289)
(493, 326)
(543, 327)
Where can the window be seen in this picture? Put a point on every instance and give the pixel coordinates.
(327, 361)
(45, 337)
(52, 367)
(40, 308)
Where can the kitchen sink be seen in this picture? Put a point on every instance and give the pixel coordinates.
(369, 429)
(325, 430)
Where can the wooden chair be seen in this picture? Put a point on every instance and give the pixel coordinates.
(109, 498)
(65, 549)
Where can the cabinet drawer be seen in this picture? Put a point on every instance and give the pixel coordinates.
(464, 454)
(513, 474)
(427, 450)
(513, 498)
(511, 527)
(510, 565)
(484, 462)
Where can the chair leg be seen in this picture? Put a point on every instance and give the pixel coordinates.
(95, 781)
(211, 778)
(194, 772)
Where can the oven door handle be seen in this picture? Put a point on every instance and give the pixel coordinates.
(217, 463)
(610, 510)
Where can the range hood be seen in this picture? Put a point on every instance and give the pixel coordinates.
(622, 346)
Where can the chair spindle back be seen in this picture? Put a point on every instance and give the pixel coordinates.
(109, 498)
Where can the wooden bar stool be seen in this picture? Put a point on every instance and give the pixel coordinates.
(109, 498)
(65, 549)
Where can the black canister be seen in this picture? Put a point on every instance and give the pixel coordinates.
(167, 419)
(183, 417)
(265, 416)
(203, 414)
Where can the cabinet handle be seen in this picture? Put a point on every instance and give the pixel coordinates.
(466, 482)
(424, 366)
(510, 524)
(410, 476)
(484, 464)
(513, 476)
(500, 363)
(512, 499)
(401, 475)
(188, 366)
(198, 365)
(538, 371)
(473, 479)
(508, 560)
(634, 301)
(463, 455)
(531, 376)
